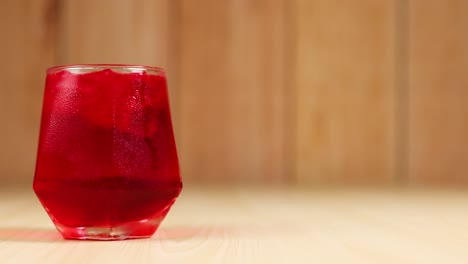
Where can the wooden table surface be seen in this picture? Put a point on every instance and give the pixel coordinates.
(268, 225)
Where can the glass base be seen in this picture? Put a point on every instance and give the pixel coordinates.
(118, 232)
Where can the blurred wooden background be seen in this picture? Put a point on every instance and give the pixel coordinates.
(263, 91)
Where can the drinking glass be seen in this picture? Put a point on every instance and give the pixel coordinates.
(107, 166)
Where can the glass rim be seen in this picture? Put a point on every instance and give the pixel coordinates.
(104, 66)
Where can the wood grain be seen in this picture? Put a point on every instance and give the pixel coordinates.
(345, 91)
(305, 91)
(27, 45)
(108, 31)
(438, 96)
(233, 65)
(122, 32)
(261, 226)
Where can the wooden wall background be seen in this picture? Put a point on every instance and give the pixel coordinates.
(263, 91)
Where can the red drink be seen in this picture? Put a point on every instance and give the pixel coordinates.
(107, 164)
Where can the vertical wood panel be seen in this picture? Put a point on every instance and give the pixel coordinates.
(439, 91)
(230, 80)
(119, 31)
(27, 49)
(232, 104)
(346, 103)
(114, 31)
